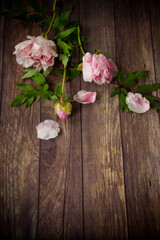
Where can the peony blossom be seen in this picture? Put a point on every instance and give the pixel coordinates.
(63, 111)
(47, 129)
(137, 103)
(85, 97)
(37, 52)
(98, 68)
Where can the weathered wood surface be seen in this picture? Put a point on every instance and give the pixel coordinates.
(100, 178)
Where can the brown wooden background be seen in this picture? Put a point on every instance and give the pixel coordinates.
(99, 179)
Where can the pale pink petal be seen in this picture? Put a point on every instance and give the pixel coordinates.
(85, 97)
(37, 51)
(47, 129)
(98, 68)
(137, 103)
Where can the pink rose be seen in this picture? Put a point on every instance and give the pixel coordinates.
(37, 52)
(47, 129)
(85, 97)
(98, 68)
(137, 103)
(63, 111)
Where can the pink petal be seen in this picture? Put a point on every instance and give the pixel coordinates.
(62, 115)
(47, 129)
(85, 97)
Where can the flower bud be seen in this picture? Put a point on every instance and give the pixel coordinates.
(63, 110)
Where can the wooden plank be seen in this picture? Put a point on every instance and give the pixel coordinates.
(140, 133)
(60, 207)
(1, 52)
(155, 24)
(104, 195)
(19, 148)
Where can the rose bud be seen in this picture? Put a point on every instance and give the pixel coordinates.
(63, 110)
(47, 129)
(137, 103)
(85, 97)
(37, 52)
(98, 68)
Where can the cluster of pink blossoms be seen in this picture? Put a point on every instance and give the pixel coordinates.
(40, 53)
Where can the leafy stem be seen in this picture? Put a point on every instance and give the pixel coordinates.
(79, 40)
(54, 14)
(121, 85)
(64, 78)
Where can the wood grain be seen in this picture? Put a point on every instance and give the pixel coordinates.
(104, 195)
(60, 207)
(19, 148)
(1, 52)
(139, 132)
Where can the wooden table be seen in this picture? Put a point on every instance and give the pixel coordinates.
(98, 180)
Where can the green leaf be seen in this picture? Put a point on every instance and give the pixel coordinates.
(47, 71)
(30, 73)
(121, 102)
(152, 97)
(66, 33)
(148, 88)
(35, 5)
(30, 101)
(64, 47)
(46, 86)
(115, 92)
(127, 108)
(73, 24)
(124, 91)
(130, 82)
(19, 5)
(42, 98)
(61, 21)
(121, 76)
(31, 93)
(18, 100)
(73, 73)
(98, 52)
(70, 97)
(64, 59)
(137, 75)
(54, 98)
(24, 87)
(60, 72)
(80, 67)
(64, 98)
(39, 78)
(58, 90)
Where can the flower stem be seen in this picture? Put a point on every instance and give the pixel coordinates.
(64, 78)
(121, 85)
(79, 40)
(54, 14)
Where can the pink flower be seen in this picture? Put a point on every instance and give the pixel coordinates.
(137, 103)
(47, 129)
(63, 111)
(98, 68)
(37, 52)
(85, 97)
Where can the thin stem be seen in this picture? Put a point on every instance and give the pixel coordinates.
(120, 85)
(54, 14)
(64, 78)
(57, 78)
(79, 40)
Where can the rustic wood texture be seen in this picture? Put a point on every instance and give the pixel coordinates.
(140, 133)
(61, 170)
(99, 179)
(19, 148)
(104, 194)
